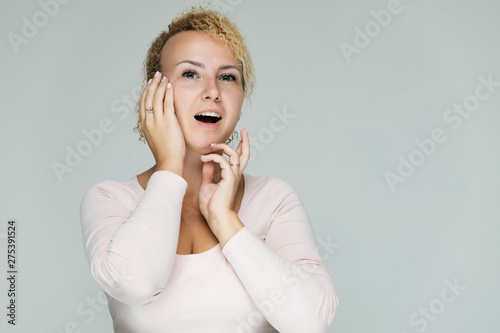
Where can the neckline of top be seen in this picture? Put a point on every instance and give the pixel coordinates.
(202, 254)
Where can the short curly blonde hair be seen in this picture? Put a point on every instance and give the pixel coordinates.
(200, 19)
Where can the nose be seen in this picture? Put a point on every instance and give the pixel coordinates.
(211, 90)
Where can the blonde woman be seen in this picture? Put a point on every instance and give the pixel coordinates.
(194, 244)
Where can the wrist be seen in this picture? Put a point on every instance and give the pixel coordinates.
(175, 167)
(229, 224)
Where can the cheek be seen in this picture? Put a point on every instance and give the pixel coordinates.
(235, 99)
(233, 93)
(183, 99)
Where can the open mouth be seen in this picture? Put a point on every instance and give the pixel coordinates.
(208, 117)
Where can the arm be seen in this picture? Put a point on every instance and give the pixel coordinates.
(285, 276)
(131, 254)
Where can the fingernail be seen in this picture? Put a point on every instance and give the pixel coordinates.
(169, 85)
(213, 144)
(157, 73)
(163, 79)
(150, 81)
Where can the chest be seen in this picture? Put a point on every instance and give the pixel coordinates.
(195, 236)
(203, 294)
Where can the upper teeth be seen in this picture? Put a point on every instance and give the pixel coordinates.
(211, 114)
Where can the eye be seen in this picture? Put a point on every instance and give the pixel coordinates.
(228, 77)
(190, 74)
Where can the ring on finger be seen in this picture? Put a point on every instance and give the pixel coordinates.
(150, 109)
(235, 164)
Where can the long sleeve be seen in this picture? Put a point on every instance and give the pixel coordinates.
(285, 275)
(131, 253)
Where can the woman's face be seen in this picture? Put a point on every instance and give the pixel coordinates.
(205, 78)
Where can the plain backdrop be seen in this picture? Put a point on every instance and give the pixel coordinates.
(391, 140)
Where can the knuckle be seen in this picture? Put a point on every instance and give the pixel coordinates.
(151, 89)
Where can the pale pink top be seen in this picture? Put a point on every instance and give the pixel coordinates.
(269, 276)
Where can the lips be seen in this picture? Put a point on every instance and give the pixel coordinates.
(208, 125)
(209, 116)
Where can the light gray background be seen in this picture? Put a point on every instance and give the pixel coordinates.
(390, 253)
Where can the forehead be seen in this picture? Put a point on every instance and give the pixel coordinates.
(198, 46)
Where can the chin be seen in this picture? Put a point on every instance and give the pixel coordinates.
(200, 143)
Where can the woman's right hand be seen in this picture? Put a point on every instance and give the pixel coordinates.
(161, 127)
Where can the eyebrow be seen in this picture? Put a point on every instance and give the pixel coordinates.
(199, 64)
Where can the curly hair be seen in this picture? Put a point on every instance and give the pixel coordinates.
(205, 20)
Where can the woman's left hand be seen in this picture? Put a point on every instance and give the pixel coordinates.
(216, 200)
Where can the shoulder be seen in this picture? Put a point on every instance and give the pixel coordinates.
(269, 188)
(121, 191)
(272, 201)
(269, 182)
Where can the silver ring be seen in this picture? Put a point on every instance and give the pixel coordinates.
(150, 109)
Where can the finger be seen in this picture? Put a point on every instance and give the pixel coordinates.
(234, 158)
(142, 108)
(169, 99)
(207, 173)
(245, 149)
(158, 99)
(240, 144)
(226, 171)
(151, 90)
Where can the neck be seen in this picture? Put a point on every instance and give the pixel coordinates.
(192, 170)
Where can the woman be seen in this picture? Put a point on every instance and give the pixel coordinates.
(194, 244)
